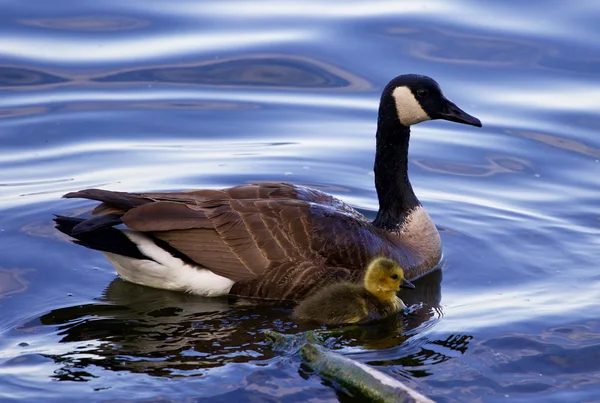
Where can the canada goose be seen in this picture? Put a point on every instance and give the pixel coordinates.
(347, 302)
(275, 240)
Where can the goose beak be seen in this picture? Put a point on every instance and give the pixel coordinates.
(407, 284)
(453, 113)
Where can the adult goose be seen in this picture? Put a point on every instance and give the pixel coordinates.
(275, 240)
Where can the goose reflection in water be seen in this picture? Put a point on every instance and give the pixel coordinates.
(156, 332)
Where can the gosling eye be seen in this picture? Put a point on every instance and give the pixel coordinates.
(422, 93)
(394, 277)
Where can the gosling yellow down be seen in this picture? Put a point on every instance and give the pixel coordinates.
(347, 302)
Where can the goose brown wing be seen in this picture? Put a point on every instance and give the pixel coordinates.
(271, 235)
(238, 239)
(340, 246)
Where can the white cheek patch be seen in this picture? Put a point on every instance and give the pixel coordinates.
(408, 108)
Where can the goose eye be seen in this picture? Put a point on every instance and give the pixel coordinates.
(422, 93)
(394, 276)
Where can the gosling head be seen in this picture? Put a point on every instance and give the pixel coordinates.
(414, 98)
(384, 278)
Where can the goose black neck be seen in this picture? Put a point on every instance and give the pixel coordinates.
(395, 193)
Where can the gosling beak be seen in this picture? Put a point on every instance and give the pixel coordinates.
(407, 284)
(453, 113)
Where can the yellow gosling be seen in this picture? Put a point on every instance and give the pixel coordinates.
(347, 302)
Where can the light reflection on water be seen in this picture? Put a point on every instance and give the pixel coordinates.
(119, 49)
(210, 94)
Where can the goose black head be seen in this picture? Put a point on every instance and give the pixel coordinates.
(414, 98)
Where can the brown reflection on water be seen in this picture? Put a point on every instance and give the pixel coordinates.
(261, 70)
(17, 77)
(496, 165)
(558, 142)
(13, 281)
(23, 111)
(460, 47)
(87, 23)
(192, 105)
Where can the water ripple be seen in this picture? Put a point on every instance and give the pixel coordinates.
(70, 51)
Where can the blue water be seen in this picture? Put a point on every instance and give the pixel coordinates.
(148, 95)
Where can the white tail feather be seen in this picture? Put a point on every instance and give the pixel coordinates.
(166, 271)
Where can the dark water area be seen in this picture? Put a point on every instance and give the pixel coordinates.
(152, 95)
